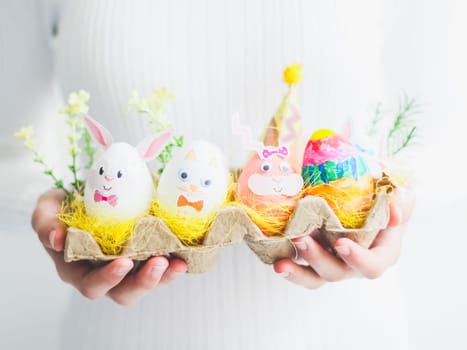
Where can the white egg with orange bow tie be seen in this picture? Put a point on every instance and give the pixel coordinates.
(195, 181)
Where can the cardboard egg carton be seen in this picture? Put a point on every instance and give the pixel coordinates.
(152, 237)
(312, 215)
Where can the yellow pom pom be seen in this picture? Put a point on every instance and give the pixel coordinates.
(293, 74)
(321, 134)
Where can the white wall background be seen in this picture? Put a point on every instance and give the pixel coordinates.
(424, 53)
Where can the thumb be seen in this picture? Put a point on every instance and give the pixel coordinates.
(50, 230)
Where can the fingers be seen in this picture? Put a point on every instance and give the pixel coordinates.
(114, 279)
(99, 281)
(136, 285)
(44, 221)
(356, 260)
(91, 281)
(301, 275)
(323, 266)
(371, 263)
(326, 265)
(176, 268)
(156, 271)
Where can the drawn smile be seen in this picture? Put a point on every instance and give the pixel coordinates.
(277, 190)
(107, 188)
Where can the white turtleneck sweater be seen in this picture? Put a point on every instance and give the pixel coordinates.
(220, 57)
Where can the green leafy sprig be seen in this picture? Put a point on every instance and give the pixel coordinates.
(166, 154)
(89, 149)
(402, 129)
(76, 106)
(378, 117)
(26, 134)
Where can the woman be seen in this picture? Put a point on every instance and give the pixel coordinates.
(218, 58)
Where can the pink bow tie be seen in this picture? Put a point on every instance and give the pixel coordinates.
(112, 199)
(268, 152)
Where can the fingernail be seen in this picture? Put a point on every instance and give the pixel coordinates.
(157, 269)
(175, 272)
(121, 270)
(60, 246)
(284, 274)
(301, 245)
(52, 239)
(342, 250)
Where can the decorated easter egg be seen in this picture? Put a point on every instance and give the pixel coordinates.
(337, 170)
(195, 181)
(119, 185)
(191, 189)
(269, 187)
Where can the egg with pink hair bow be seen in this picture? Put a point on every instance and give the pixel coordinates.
(268, 187)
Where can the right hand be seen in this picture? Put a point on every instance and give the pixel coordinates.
(113, 279)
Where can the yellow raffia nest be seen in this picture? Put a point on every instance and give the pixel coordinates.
(270, 217)
(351, 200)
(271, 220)
(111, 236)
(189, 229)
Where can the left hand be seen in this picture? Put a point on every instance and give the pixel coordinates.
(355, 260)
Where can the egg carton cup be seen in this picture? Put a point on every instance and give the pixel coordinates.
(152, 237)
(312, 215)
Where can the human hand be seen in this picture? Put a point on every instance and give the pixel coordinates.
(355, 260)
(113, 279)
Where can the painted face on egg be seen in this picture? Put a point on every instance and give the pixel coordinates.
(196, 180)
(269, 178)
(119, 184)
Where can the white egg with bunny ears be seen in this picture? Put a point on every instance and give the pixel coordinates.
(119, 186)
(195, 181)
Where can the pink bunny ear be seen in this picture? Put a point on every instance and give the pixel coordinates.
(100, 134)
(152, 145)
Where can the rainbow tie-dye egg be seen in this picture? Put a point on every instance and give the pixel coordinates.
(330, 157)
(336, 170)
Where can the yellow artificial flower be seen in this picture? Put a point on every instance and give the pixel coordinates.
(77, 103)
(25, 133)
(154, 106)
(163, 95)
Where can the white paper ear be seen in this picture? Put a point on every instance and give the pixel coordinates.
(347, 130)
(100, 134)
(191, 155)
(152, 145)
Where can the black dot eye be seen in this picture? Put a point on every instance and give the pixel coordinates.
(101, 170)
(265, 167)
(183, 175)
(119, 174)
(206, 182)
